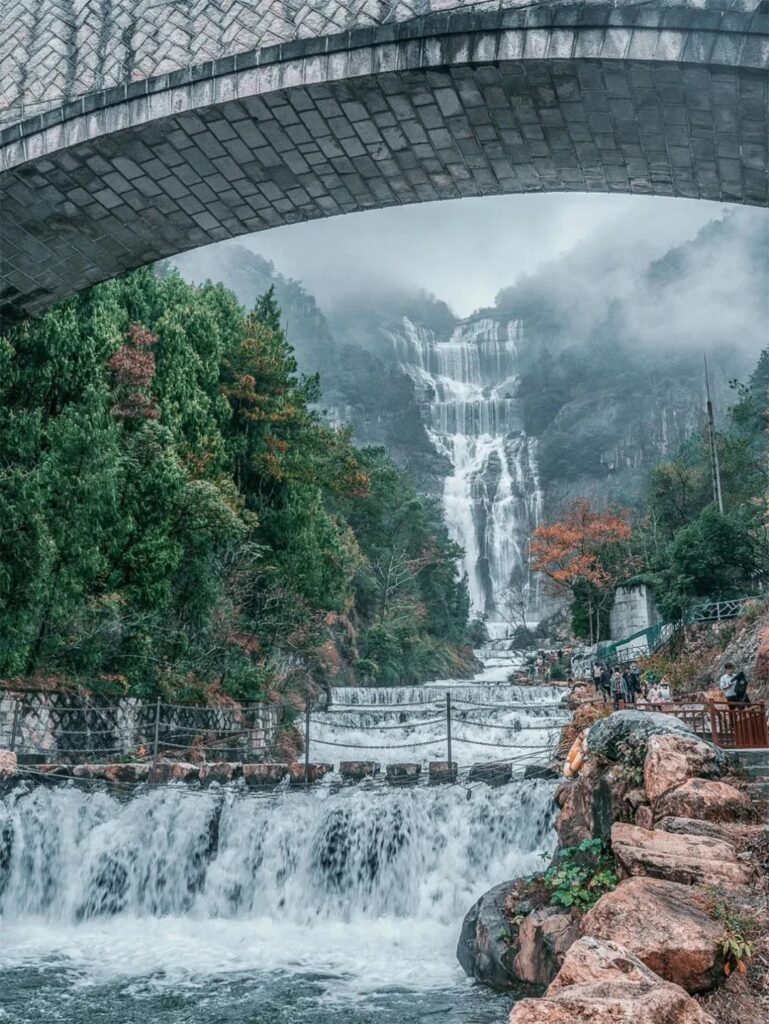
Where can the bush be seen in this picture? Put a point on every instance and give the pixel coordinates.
(581, 875)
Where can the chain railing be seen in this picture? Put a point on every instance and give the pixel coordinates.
(69, 729)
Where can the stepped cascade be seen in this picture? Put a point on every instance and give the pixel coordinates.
(492, 497)
(352, 895)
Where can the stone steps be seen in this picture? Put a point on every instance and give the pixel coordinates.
(755, 764)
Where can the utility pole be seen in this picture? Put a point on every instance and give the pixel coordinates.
(307, 742)
(715, 467)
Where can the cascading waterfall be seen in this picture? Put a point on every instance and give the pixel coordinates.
(338, 905)
(492, 497)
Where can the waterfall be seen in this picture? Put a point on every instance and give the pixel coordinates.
(303, 859)
(322, 906)
(468, 387)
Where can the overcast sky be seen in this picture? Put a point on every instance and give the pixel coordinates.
(465, 250)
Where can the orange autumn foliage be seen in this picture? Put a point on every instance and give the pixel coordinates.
(573, 550)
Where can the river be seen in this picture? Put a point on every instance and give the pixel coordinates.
(338, 905)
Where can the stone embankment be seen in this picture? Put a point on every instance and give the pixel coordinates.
(655, 909)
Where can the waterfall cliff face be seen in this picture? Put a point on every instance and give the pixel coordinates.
(468, 389)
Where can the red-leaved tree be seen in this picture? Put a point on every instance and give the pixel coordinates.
(584, 555)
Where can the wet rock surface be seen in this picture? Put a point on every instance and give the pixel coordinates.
(484, 950)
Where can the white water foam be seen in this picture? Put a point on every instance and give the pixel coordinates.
(368, 888)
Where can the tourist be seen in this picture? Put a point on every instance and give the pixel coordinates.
(726, 682)
(597, 675)
(655, 694)
(618, 689)
(605, 683)
(635, 678)
(627, 680)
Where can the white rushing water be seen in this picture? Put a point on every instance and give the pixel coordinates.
(492, 497)
(341, 903)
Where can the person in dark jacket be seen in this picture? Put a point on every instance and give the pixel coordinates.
(618, 689)
(605, 684)
(627, 680)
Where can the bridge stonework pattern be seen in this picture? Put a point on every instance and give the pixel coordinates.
(55, 50)
(158, 126)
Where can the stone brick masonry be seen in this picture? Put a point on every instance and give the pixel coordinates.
(193, 124)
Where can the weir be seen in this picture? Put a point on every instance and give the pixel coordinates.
(360, 888)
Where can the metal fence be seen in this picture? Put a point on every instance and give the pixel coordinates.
(66, 728)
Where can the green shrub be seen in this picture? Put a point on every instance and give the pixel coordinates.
(581, 875)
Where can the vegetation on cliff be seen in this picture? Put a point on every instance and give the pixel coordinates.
(177, 518)
(680, 543)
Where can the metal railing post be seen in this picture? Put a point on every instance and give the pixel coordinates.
(15, 724)
(307, 743)
(448, 735)
(154, 778)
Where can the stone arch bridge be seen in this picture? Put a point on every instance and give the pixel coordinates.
(131, 130)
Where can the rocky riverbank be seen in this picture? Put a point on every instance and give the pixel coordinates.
(655, 908)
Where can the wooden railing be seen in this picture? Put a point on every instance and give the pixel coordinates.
(696, 716)
(731, 726)
(739, 727)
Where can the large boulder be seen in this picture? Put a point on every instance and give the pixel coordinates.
(600, 982)
(706, 800)
(590, 805)
(691, 860)
(662, 925)
(672, 759)
(484, 949)
(732, 832)
(634, 727)
(543, 938)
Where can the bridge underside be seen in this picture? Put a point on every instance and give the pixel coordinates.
(105, 185)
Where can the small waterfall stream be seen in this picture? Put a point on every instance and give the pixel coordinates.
(338, 905)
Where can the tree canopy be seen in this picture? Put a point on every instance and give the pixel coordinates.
(178, 518)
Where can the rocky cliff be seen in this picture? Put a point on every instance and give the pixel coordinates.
(575, 382)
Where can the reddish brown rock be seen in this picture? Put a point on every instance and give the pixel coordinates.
(174, 771)
(356, 771)
(543, 938)
(440, 772)
(733, 832)
(691, 860)
(221, 772)
(264, 776)
(132, 774)
(644, 817)
(602, 983)
(315, 772)
(591, 804)
(9, 764)
(671, 760)
(661, 924)
(706, 801)
(403, 774)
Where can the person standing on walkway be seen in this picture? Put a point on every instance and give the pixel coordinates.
(726, 682)
(618, 689)
(606, 683)
(627, 681)
(597, 675)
